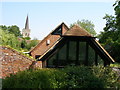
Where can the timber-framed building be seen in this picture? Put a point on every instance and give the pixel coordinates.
(70, 46)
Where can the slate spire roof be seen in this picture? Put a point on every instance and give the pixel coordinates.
(27, 23)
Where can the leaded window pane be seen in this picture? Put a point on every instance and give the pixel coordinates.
(52, 61)
(82, 52)
(72, 50)
(91, 56)
(100, 61)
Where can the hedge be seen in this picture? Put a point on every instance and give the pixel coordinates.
(68, 77)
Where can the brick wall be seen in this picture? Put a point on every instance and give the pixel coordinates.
(42, 46)
(64, 29)
(12, 61)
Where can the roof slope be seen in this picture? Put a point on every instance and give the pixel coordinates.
(104, 51)
(59, 26)
(77, 31)
(12, 61)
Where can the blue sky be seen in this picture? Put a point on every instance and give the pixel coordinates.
(45, 16)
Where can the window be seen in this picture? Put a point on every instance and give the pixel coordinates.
(82, 52)
(62, 56)
(37, 56)
(59, 59)
(91, 56)
(51, 62)
(62, 53)
(100, 61)
(75, 53)
(48, 42)
(72, 50)
(58, 31)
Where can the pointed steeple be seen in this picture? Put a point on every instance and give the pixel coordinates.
(27, 23)
(26, 30)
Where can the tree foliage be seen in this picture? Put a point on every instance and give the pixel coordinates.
(32, 44)
(87, 25)
(28, 44)
(12, 30)
(111, 35)
(11, 36)
(117, 13)
(9, 39)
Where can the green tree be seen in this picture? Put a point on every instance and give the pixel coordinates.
(109, 30)
(32, 44)
(3, 27)
(117, 13)
(27, 38)
(10, 36)
(111, 35)
(23, 44)
(9, 39)
(14, 30)
(87, 25)
(26, 45)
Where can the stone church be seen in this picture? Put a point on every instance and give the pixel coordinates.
(26, 30)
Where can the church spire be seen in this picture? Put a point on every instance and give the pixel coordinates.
(27, 23)
(26, 30)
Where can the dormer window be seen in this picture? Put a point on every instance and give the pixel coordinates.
(58, 31)
(48, 42)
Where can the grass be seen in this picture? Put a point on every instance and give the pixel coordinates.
(115, 65)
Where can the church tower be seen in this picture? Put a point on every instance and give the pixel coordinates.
(26, 30)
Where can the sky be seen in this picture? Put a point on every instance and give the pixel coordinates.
(45, 16)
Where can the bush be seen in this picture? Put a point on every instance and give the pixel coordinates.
(108, 77)
(91, 77)
(68, 77)
(82, 77)
(43, 78)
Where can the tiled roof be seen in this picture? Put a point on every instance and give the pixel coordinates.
(77, 31)
(60, 25)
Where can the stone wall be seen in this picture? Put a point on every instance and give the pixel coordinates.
(12, 61)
